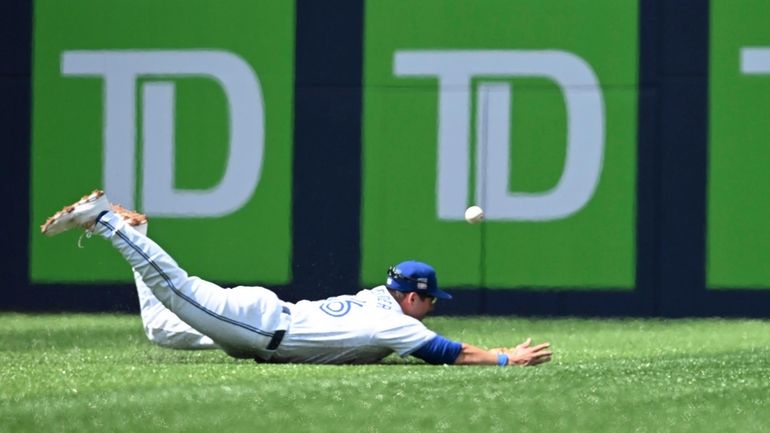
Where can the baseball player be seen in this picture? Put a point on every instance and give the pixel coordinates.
(187, 312)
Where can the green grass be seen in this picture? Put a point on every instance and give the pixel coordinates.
(97, 373)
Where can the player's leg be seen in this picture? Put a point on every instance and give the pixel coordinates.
(245, 321)
(164, 328)
(161, 326)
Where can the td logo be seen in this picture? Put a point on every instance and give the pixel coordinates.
(527, 108)
(189, 122)
(456, 71)
(120, 71)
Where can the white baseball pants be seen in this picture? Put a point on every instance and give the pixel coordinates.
(161, 325)
(246, 322)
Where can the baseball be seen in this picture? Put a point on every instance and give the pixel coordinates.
(474, 214)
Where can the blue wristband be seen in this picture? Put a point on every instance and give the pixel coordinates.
(502, 359)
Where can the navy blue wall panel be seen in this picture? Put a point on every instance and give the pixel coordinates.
(15, 97)
(327, 147)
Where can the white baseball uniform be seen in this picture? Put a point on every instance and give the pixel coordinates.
(187, 312)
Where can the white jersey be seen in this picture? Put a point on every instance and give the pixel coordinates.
(350, 329)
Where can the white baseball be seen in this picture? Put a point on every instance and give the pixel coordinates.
(474, 214)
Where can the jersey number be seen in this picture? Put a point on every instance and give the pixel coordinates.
(339, 308)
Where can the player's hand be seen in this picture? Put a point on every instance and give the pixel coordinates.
(526, 354)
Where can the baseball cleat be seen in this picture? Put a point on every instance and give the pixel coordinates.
(133, 218)
(82, 213)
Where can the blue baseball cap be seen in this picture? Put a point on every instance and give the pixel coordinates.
(413, 276)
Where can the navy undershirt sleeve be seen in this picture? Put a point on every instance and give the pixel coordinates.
(439, 350)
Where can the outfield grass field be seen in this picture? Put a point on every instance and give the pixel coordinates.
(97, 373)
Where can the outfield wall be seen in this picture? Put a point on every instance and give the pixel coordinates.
(618, 148)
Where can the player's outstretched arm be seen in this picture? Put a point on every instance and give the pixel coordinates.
(523, 354)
